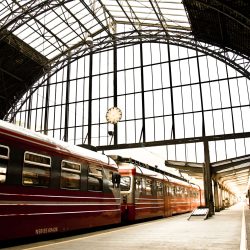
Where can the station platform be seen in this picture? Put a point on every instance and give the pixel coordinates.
(227, 229)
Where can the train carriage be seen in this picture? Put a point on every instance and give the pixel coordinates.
(47, 186)
(184, 196)
(147, 192)
(142, 197)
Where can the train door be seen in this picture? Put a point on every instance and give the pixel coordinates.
(127, 196)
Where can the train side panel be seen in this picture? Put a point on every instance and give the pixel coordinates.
(150, 195)
(149, 198)
(45, 191)
(39, 213)
(140, 197)
(180, 198)
(167, 200)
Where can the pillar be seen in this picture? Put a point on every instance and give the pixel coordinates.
(208, 192)
(216, 197)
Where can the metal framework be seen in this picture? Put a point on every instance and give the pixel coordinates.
(75, 42)
(105, 17)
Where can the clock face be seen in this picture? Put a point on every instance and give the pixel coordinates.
(114, 115)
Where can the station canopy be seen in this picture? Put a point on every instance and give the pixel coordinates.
(35, 35)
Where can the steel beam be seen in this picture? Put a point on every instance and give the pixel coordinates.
(66, 123)
(90, 98)
(216, 197)
(209, 202)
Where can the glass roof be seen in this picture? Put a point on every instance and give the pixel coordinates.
(54, 27)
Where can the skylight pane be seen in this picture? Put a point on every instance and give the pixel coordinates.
(67, 24)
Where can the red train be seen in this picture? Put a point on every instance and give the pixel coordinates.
(148, 192)
(48, 186)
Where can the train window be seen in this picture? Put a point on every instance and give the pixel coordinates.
(4, 157)
(138, 184)
(143, 184)
(159, 186)
(70, 175)
(125, 183)
(36, 170)
(185, 192)
(95, 182)
(195, 194)
(180, 191)
(174, 190)
(149, 184)
(4, 152)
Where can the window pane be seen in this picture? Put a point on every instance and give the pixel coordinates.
(125, 183)
(95, 182)
(149, 184)
(36, 170)
(70, 175)
(3, 169)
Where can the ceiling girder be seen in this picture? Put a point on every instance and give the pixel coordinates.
(186, 169)
(159, 16)
(125, 13)
(232, 172)
(230, 57)
(162, 33)
(45, 28)
(25, 13)
(97, 19)
(106, 10)
(77, 20)
(234, 162)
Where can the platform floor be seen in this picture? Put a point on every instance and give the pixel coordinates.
(225, 230)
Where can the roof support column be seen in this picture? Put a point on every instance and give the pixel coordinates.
(90, 97)
(208, 192)
(208, 180)
(171, 91)
(143, 132)
(115, 89)
(46, 115)
(28, 120)
(66, 124)
(248, 196)
(216, 197)
(221, 197)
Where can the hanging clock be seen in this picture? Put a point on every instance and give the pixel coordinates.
(113, 115)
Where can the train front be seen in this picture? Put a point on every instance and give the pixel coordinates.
(127, 172)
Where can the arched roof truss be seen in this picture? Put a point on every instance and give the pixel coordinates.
(59, 28)
(51, 34)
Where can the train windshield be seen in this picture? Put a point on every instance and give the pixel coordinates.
(125, 183)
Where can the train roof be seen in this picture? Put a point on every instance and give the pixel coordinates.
(151, 173)
(56, 144)
(145, 169)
